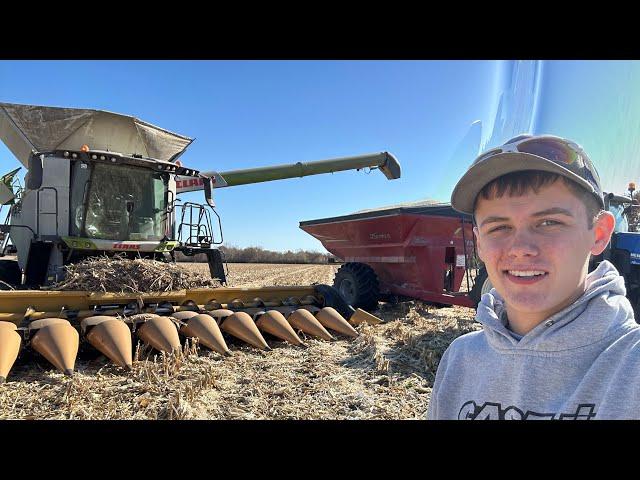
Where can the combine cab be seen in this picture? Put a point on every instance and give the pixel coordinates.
(101, 183)
(416, 250)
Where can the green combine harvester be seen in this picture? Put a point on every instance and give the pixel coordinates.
(101, 183)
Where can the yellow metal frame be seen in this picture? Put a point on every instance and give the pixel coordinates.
(18, 305)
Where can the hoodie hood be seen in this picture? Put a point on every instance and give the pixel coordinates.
(599, 313)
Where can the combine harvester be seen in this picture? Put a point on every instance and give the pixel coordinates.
(103, 183)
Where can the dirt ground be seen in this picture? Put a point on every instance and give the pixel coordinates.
(385, 373)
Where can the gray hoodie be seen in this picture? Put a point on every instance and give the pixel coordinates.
(581, 363)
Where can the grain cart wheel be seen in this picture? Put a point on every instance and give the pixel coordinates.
(481, 286)
(358, 285)
(9, 274)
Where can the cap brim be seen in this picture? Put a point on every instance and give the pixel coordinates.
(474, 180)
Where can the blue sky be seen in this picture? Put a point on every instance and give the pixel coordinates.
(254, 113)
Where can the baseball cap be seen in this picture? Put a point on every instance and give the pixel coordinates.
(547, 153)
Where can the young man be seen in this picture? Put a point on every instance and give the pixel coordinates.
(557, 342)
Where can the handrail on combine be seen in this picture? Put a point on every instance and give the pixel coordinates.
(199, 228)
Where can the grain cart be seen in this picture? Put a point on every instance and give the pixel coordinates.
(421, 250)
(102, 183)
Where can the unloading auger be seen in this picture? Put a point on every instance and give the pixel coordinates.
(100, 183)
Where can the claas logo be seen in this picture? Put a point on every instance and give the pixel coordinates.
(192, 182)
(126, 246)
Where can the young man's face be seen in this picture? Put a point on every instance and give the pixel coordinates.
(536, 248)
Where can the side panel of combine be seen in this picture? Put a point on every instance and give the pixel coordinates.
(53, 208)
(23, 227)
(42, 217)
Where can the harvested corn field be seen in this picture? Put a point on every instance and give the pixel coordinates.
(385, 373)
(267, 274)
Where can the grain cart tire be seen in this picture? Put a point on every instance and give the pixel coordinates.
(481, 286)
(9, 274)
(358, 285)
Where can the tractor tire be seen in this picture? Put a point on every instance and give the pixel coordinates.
(9, 274)
(481, 286)
(358, 285)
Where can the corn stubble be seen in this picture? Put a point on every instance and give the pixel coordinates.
(387, 372)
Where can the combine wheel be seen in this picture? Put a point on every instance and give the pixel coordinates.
(358, 285)
(481, 286)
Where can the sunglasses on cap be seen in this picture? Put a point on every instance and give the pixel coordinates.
(555, 149)
(560, 151)
(526, 152)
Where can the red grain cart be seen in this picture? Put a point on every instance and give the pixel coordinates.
(419, 250)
